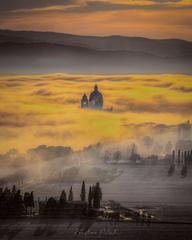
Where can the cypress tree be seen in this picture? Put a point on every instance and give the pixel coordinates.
(97, 196)
(70, 195)
(173, 157)
(63, 197)
(14, 189)
(185, 157)
(83, 192)
(90, 198)
(32, 203)
(179, 157)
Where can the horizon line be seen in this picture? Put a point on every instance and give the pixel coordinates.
(96, 36)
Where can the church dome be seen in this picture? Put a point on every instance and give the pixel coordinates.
(84, 101)
(96, 98)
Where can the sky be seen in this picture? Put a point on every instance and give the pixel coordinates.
(45, 109)
(147, 18)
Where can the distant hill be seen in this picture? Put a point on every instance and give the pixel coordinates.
(22, 51)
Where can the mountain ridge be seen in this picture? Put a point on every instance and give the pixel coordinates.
(36, 51)
(92, 36)
(162, 47)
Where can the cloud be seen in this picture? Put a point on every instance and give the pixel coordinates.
(50, 134)
(105, 18)
(54, 134)
(79, 6)
(43, 92)
(93, 79)
(150, 80)
(8, 119)
(152, 126)
(161, 85)
(4, 115)
(40, 84)
(116, 79)
(103, 6)
(11, 84)
(20, 120)
(71, 101)
(183, 89)
(166, 1)
(158, 105)
(33, 119)
(12, 123)
(11, 119)
(10, 5)
(73, 79)
(62, 100)
(5, 133)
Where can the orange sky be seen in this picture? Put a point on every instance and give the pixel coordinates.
(148, 18)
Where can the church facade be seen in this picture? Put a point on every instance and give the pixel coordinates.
(95, 100)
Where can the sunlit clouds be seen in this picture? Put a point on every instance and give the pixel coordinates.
(45, 109)
(148, 18)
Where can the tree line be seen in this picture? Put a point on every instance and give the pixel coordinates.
(14, 203)
(93, 198)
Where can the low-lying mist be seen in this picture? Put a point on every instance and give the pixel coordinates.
(99, 162)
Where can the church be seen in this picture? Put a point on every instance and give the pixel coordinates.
(95, 100)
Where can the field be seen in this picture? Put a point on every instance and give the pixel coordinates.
(76, 229)
(168, 199)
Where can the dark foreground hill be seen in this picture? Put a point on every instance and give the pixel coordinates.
(53, 52)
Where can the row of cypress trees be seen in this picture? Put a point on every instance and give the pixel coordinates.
(94, 196)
